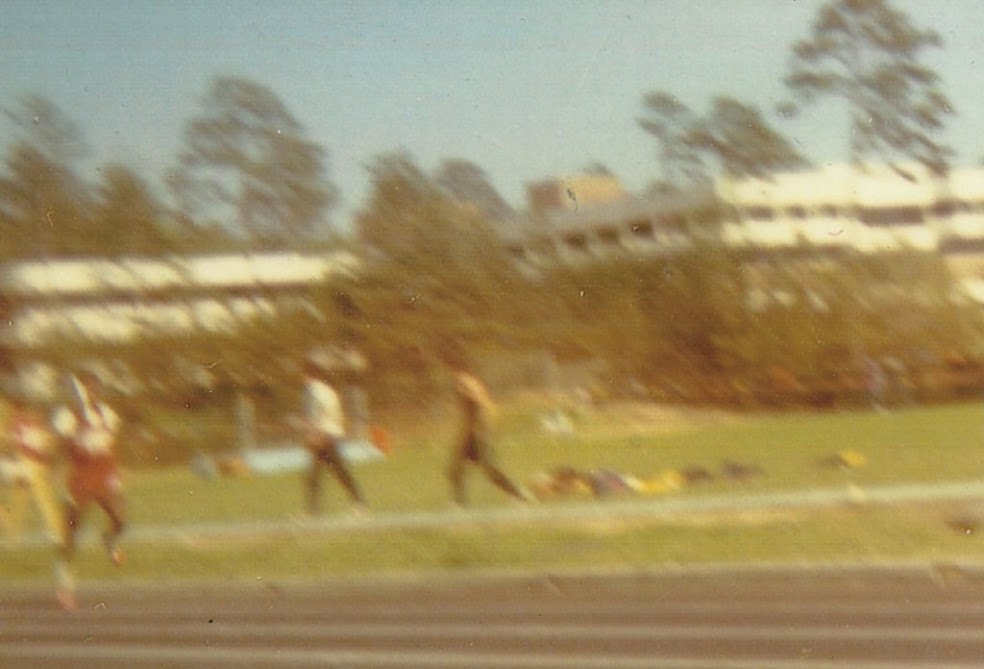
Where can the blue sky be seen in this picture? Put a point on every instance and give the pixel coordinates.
(523, 89)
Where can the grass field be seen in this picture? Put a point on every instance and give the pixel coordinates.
(918, 445)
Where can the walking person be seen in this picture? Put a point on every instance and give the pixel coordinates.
(474, 444)
(324, 433)
(90, 428)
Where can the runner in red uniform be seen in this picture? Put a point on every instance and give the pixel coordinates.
(90, 429)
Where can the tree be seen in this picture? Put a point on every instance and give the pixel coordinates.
(43, 202)
(247, 165)
(671, 122)
(868, 54)
(127, 214)
(741, 141)
(436, 250)
(467, 183)
(401, 197)
(734, 136)
(437, 273)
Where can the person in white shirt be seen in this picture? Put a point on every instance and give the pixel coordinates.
(323, 435)
(89, 427)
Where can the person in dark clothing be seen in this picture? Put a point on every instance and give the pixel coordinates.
(474, 446)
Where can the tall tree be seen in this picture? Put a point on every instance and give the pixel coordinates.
(401, 197)
(414, 226)
(43, 201)
(868, 54)
(671, 122)
(127, 214)
(741, 141)
(438, 271)
(247, 165)
(467, 183)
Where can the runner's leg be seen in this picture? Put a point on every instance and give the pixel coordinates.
(501, 481)
(64, 572)
(456, 474)
(115, 508)
(313, 484)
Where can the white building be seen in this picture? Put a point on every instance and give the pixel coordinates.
(873, 209)
(867, 210)
(105, 302)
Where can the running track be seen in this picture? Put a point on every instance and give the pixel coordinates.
(892, 617)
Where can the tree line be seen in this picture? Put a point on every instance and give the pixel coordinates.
(248, 176)
(436, 271)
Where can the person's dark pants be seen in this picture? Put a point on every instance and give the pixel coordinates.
(328, 454)
(476, 451)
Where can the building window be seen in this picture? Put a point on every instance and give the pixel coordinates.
(544, 247)
(576, 241)
(608, 235)
(944, 208)
(891, 216)
(673, 223)
(642, 228)
(759, 213)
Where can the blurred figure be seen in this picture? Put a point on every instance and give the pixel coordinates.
(90, 428)
(34, 446)
(876, 383)
(474, 445)
(324, 431)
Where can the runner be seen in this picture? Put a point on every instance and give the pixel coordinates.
(90, 428)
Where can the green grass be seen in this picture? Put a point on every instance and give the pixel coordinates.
(919, 445)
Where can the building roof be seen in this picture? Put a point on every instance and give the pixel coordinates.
(95, 277)
(846, 185)
(592, 216)
(101, 300)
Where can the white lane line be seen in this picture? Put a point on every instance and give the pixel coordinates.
(312, 632)
(556, 609)
(158, 656)
(568, 511)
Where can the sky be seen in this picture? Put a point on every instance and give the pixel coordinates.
(524, 89)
